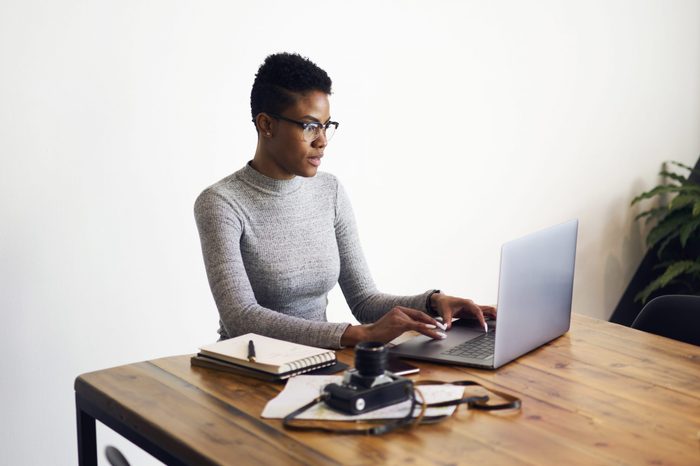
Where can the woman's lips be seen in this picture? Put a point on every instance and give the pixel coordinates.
(315, 161)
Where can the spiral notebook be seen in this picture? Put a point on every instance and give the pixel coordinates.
(271, 355)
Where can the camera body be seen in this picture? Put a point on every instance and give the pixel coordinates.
(369, 386)
(352, 399)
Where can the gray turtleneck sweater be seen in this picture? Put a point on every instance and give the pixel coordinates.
(273, 249)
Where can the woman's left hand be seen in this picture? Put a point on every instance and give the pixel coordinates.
(450, 306)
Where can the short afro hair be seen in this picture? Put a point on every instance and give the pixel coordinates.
(281, 75)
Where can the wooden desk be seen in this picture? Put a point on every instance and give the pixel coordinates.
(601, 394)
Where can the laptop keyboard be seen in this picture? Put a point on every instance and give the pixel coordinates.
(476, 348)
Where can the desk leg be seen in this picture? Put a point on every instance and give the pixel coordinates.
(87, 437)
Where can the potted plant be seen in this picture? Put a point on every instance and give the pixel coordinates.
(676, 234)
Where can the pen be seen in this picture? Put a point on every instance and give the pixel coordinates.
(251, 351)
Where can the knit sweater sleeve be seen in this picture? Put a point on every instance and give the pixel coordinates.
(366, 302)
(220, 229)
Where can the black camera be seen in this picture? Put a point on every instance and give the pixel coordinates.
(369, 385)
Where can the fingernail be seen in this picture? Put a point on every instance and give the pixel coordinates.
(430, 325)
(441, 326)
(441, 335)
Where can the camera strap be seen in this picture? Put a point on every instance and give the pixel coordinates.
(480, 403)
(287, 422)
(474, 402)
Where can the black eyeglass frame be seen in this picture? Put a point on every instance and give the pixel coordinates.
(305, 124)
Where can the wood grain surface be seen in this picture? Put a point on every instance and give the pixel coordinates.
(601, 394)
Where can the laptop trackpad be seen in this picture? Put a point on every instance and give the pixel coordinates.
(426, 346)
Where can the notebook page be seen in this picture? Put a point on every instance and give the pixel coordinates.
(271, 351)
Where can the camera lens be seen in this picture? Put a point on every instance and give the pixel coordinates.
(370, 358)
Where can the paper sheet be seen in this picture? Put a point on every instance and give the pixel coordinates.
(304, 388)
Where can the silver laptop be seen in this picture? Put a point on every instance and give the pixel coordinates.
(534, 305)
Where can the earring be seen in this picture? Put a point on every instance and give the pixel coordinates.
(267, 134)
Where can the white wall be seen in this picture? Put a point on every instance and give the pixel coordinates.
(463, 124)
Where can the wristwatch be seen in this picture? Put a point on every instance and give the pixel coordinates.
(428, 302)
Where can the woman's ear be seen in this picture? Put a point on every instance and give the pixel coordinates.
(264, 124)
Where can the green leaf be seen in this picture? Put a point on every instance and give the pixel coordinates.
(688, 188)
(644, 294)
(675, 270)
(665, 242)
(652, 213)
(683, 200)
(662, 265)
(690, 169)
(672, 188)
(696, 209)
(674, 176)
(688, 229)
(679, 164)
(670, 224)
(671, 272)
(695, 269)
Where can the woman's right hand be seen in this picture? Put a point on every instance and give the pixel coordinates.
(391, 325)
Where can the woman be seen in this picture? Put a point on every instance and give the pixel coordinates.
(277, 234)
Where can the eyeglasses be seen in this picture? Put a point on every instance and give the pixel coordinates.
(312, 130)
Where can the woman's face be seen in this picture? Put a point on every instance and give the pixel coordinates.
(287, 153)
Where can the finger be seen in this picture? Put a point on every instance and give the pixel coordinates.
(480, 318)
(446, 313)
(422, 323)
(435, 334)
(445, 310)
(476, 311)
(421, 316)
